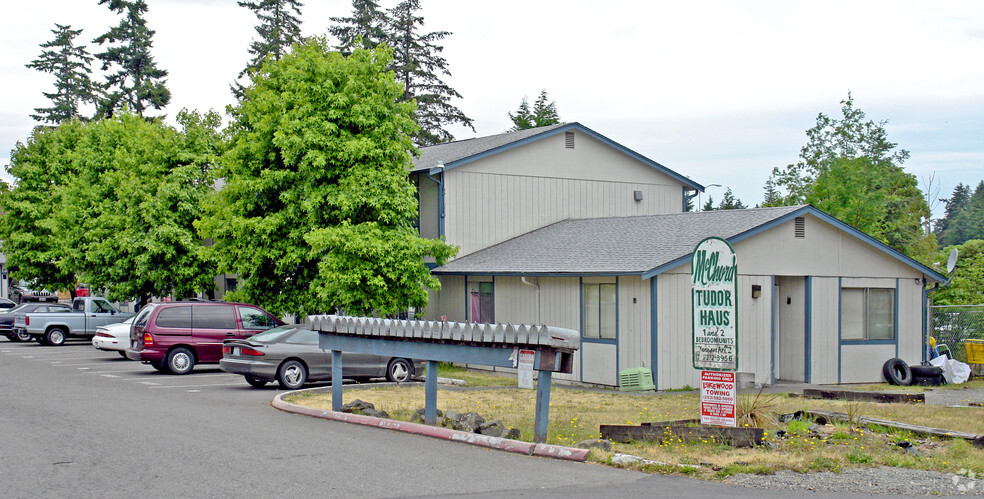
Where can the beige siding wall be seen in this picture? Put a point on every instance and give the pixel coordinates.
(507, 194)
(633, 324)
(449, 301)
(824, 252)
(910, 321)
(754, 328)
(825, 314)
(427, 191)
(863, 363)
(674, 333)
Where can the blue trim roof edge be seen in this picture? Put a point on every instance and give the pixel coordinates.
(812, 210)
(582, 128)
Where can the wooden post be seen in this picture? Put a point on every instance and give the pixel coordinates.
(336, 380)
(430, 393)
(542, 407)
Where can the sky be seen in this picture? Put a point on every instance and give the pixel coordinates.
(719, 91)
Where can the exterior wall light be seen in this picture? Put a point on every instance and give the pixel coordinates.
(756, 291)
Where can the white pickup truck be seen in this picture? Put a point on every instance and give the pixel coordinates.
(53, 328)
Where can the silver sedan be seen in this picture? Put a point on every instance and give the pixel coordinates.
(291, 356)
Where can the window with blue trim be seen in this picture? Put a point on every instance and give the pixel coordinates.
(481, 302)
(599, 317)
(867, 314)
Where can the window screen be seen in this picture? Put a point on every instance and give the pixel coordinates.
(867, 314)
(599, 316)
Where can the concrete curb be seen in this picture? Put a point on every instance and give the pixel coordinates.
(504, 444)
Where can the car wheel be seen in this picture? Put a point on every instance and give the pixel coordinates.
(256, 382)
(122, 353)
(55, 337)
(159, 366)
(291, 375)
(180, 361)
(399, 370)
(20, 337)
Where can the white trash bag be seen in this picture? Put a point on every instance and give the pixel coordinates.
(961, 371)
(943, 362)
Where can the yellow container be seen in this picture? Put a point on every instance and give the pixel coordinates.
(975, 351)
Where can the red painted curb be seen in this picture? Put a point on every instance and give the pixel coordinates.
(498, 443)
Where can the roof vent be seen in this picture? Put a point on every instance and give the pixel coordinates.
(799, 227)
(569, 139)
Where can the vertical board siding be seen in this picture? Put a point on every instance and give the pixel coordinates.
(633, 323)
(755, 327)
(675, 332)
(910, 325)
(449, 301)
(825, 331)
(485, 209)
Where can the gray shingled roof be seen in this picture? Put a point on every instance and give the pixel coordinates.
(450, 152)
(616, 245)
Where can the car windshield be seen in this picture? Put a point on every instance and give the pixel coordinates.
(22, 306)
(273, 335)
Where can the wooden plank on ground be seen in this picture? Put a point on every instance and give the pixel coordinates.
(917, 429)
(735, 437)
(884, 397)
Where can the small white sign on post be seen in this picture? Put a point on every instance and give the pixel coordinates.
(717, 398)
(526, 358)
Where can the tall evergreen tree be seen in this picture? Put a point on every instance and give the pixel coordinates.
(730, 202)
(544, 113)
(69, 63)
(959, 201)
(366, 28)
(968, 223)
(279, 27)
(418, 64)
(137, 81)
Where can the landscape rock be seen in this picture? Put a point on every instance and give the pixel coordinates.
(595, 443)
(418, 416)
(357, 407)
(492, 428)
(449, 418)
(512, 434)
(376, 414)
(469, 421)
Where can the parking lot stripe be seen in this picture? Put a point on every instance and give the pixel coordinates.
(199, 386)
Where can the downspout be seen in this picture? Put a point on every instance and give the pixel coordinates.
(537, 286)
(688, 197)
(439, 169)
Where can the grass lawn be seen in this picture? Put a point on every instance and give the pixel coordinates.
(576, 413)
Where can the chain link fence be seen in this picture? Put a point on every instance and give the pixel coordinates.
(951, 324)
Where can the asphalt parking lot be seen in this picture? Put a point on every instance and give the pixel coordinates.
(80, 358)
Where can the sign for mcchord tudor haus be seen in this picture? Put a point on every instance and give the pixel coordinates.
(714, 278)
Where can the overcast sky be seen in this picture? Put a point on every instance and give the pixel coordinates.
(719, 91)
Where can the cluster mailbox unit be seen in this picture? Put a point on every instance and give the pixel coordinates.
(441, 341)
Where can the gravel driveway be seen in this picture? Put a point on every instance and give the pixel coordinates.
(889, 481)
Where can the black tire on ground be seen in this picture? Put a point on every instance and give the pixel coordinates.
(122, 353)
(291, 375)
(925, 371)
(20, 337)
(897, 372)
(256, 382)
(159, 366)
(180, 360)
(55, 337)
(399, 370)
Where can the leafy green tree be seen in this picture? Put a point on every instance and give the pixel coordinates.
(366, 28)
(544, 113)
(967, 284)
(959, 201)
(279, 27)
(418, 64)
(127, 218)
(40, 168)
(829, 157)
(317, 210)
(70, 64)
(137, 82)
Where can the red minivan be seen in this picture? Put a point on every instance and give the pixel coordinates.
(173, 337)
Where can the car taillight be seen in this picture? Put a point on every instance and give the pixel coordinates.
(148, 340)
(104, 335)
(226, 349)
(27, 320)
(250, 351)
